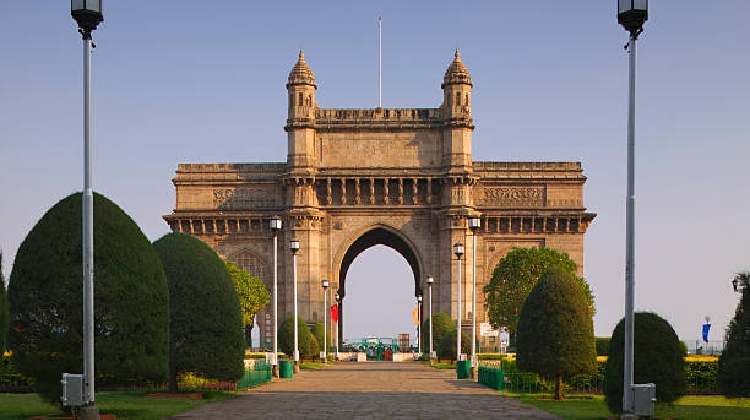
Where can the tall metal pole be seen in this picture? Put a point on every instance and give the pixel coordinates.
(296, 326)
(88, 229)
(429, 312)
(336, 330)
(630, 237)
(325, 324)
(380, 59)
(473, 298)
(275, 361)
(458, 313)
(419, 326)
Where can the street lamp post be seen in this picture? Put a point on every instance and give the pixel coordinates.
(88, 15)
(458, 249)
(338, 316)
(419, 325)
(741, 281)
(275, 228)
(294, 247)
(430, 280)
(631, 14)
(474, 224)
(324, 283)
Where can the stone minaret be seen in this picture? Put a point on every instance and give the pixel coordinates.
(300, 123)
(456, 110)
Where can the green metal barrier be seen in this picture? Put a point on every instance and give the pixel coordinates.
(257, 375)
(491, 377)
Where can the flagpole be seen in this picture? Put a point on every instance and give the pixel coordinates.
(380, 60)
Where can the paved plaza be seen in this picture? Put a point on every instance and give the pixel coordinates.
(368, 390)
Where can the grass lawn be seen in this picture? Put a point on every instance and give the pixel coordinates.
(125, 405)
(311, 365)
(22, 406)
(689, 407)
(443, 365)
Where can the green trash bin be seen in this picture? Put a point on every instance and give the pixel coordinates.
(463, 369)
(286, 368)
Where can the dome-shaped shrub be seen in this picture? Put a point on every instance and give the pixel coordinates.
(131, 300)
(206, 334)
(556, 329)
(659, 359)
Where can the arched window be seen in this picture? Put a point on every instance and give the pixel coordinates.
(458, 99)
(249, 262)
(299, 99)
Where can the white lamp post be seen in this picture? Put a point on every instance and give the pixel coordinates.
(430, 280)
(324, 283)
(294, 247)
(474, 224)
(87, 14)
(458, 249)
(338, 316)
(419, 325)
(275, 228)
(631, 14)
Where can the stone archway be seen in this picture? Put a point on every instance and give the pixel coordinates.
(378, 235)
(354, 178)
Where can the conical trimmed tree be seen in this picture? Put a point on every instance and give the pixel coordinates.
(206, 331)
(131, 300)
(733, 377)
(4, 310)
(556, 329)
(659, 359)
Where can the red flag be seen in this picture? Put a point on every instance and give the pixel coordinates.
(335, 313)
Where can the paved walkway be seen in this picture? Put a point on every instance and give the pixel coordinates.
(368, 390)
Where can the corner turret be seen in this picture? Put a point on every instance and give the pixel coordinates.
(300, 123)
(457, 87)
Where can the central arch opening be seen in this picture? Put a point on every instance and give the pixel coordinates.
(380, 296)
(389, 285)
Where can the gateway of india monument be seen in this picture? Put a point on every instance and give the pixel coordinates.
(401, 177)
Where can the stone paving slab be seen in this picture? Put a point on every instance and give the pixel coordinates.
(370, 390)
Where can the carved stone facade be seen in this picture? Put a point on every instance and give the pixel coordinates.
(355, 178)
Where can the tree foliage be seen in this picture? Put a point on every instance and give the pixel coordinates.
(514, 277)
(733, 378)
(443, 325)
(131, 299)
(556, 329)
(4, 309)
(318, 331)
(252, 293)
(658, 359)
(206, 335)
(308, 346)
(447, 347)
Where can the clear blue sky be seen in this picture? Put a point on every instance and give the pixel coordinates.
(196, 81)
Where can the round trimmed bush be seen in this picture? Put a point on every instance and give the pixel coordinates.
(658, 359)
(131, 300)
(447, 347)
(307, 343)
(206, 331)
(443, 324)
(556, 329)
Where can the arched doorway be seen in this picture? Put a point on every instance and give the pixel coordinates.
(379, 301)
(380, 235)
